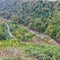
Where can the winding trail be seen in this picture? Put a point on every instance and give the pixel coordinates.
(43, 36)
(8, 28)
(9, 32)
(52, 41)
(35, 32)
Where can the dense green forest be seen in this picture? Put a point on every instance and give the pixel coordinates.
(31, 27)
(43, 17)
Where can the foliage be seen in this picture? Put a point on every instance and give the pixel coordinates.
(41, 51)
(34, 15)
(3, 32)
(37, 15)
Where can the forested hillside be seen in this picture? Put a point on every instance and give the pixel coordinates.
(31, 27)
(43, 17)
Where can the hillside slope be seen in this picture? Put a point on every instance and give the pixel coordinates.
(29, 30)
(39, 16)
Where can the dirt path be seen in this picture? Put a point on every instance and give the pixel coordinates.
(8, 30)
(43, 36)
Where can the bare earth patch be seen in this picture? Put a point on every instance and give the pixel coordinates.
(15, 54)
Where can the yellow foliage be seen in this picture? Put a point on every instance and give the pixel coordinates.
(51, 41)
(37, 35)
(28, 43)
(15, 45)
(1, 43)
(19, 35)
(35, 28)
(10, 42)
